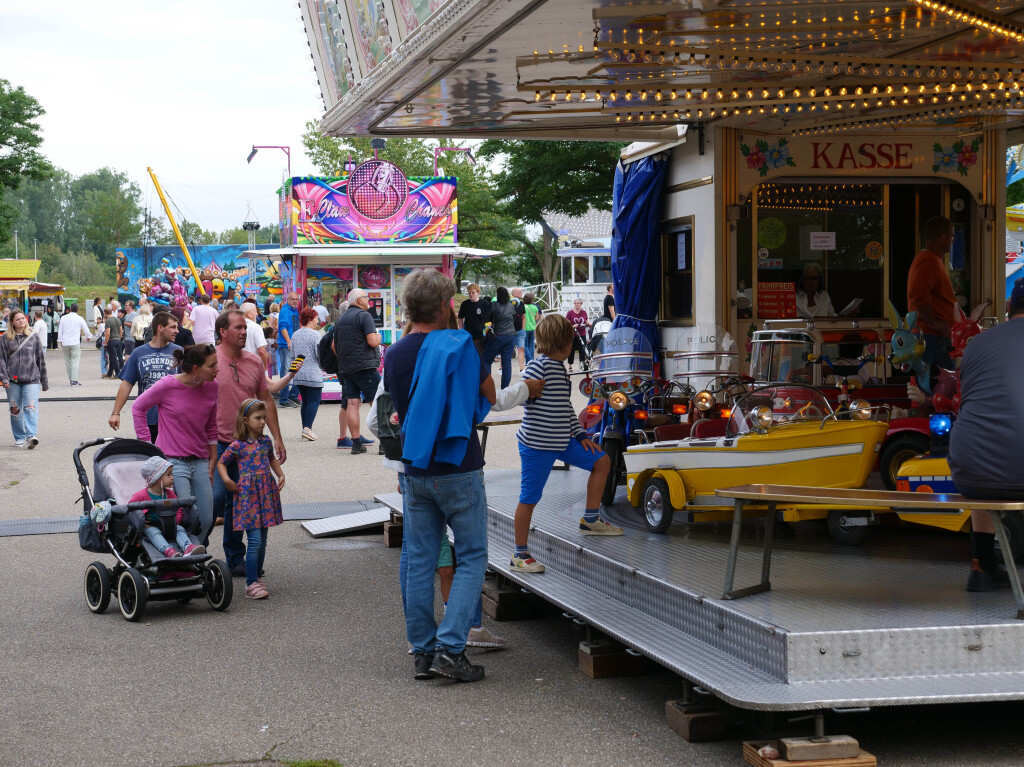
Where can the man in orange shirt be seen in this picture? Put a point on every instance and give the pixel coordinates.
(930, 292)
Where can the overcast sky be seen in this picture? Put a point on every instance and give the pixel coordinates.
(183, 86)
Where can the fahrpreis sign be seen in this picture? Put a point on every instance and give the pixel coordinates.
(375, 203)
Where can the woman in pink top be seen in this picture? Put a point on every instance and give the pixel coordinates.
(580, 322)
(187, 405)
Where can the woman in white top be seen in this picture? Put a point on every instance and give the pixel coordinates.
(811, 299)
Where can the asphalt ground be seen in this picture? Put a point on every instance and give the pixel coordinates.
(319, 670)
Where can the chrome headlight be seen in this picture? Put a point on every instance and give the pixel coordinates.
(618, 401)
(860, 409)
(762, 416)
(704, 400)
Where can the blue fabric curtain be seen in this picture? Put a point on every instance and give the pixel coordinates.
(636, 245)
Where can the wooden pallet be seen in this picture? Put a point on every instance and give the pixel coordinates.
(750, 747)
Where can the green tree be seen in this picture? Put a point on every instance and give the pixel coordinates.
(191, 233)
(19, 142)
(264, 235)
(1015, 193)
(414, 156)
(42, 207)
(539, 177)
(114, 220)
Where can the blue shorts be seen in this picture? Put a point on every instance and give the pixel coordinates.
(520, 339)
(536, 466)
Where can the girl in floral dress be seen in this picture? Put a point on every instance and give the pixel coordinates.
(257, 504)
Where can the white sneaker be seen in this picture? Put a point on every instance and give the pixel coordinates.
(32, 442)
(600, 527)
(19, 443)
(483, 637)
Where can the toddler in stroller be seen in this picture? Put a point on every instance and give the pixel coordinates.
(134, 525)
(156, 473)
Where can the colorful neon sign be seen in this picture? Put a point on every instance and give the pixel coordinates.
(375, 203)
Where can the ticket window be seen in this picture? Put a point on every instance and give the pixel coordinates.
(833, 231)
(677, 271)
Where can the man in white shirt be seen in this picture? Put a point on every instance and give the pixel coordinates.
(39, 327)
(203, 318)
(255, 339)
(69, 335)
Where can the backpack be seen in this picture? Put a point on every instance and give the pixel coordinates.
(328, 359)
(389, 432)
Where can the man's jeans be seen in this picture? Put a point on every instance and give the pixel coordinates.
(430, 503)
(25, 397)
(234, 548)
(284, 360)
(403, 570)
(192, 478)
(936, 351)
(115, 356)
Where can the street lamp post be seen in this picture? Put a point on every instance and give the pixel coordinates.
(286, 149)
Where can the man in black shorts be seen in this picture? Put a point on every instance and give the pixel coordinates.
(355, 342)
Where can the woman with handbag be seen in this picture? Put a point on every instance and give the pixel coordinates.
(22, 374)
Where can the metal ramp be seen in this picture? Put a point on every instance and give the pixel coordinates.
(347, 523)
(842, 627)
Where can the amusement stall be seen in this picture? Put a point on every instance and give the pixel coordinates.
(365, 229)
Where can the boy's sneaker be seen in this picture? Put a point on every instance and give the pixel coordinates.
(423, 661)
(32, 442)
(528, 565)
(194, 548)
(170, 552)
(19, 443)
(482, 637)
(600, 527)
(455, 666)
(365, 441)
(344, 443)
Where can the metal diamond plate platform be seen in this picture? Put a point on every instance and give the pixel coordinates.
(347, 523)
(887, 623)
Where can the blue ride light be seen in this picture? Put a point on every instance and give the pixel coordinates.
(940, 425)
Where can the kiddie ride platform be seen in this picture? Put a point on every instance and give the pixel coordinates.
(887, 623)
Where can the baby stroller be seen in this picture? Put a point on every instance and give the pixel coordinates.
(141, 573)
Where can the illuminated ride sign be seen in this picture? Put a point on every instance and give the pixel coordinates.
(374, 203)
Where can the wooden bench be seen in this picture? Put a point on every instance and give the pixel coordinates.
(769, 496)
(498, 418)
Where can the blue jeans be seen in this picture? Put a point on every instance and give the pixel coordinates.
(529, 345)
(310, 404)
(284, 360)
(192, 477)
(234, 548)
(154, 536)
(403, 570)
(936, 351)
(505, 347)
(430, 503)
(25, 397)
(103, 360)
(255, 553)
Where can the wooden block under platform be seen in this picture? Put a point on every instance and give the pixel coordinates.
(695, 723)
(603, 659)
(750, 748)
(392, 534)
(816, 749)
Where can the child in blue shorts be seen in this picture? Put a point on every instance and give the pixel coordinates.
(551, 432)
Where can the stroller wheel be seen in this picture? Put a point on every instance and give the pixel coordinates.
(97, 587)
(132, 594)
(217, 583)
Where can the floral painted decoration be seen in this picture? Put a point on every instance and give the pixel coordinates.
(958, 157)
(764, 157)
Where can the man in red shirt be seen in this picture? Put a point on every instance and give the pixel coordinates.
(240, 375)
(930, 292)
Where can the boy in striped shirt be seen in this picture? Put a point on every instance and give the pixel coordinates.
(550, 432)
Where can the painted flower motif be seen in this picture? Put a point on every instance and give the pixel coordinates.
(944, 159)
(778, 155)
(755, 159)
(958, 157)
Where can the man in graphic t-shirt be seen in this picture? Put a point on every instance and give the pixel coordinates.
(473, 315)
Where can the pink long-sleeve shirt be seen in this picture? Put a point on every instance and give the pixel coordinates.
(187, 417)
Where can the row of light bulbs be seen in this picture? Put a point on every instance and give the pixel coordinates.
(919, 91)
(967, 13)
(894, 121)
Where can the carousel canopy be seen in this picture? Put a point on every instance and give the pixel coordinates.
(606, 69)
